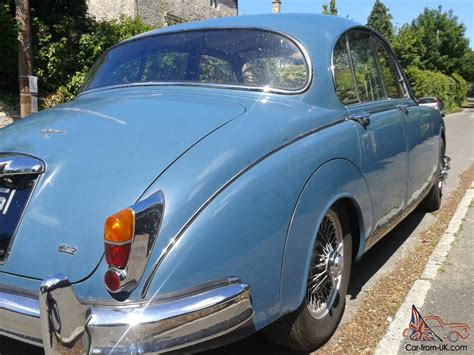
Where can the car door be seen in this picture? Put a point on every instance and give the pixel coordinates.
(422, 143)
(378, 121)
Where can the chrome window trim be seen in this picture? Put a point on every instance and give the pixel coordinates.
(403, 82)
(301, 47)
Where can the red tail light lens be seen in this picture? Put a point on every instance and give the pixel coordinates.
(117, 255)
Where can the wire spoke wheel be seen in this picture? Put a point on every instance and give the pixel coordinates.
(326, 268)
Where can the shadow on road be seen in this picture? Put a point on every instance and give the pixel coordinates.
(380, 253)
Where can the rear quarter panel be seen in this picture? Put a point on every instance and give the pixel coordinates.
(245, 230)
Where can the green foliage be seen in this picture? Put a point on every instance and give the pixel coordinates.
(8, 45)
(90, 45)
(434, 41)
(67, 44)
(408, 47)
(330, 9)
(380, 19)
(427, 83)
(460, 89)
(467, 69)
(57, 26)
(452, 90)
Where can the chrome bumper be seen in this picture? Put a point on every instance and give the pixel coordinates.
(59, 322)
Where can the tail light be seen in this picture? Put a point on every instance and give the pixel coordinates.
(129, 237)
(118, 235)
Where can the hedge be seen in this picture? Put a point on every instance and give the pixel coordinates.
(452, 90)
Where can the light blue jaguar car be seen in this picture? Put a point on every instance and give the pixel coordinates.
(211, 180)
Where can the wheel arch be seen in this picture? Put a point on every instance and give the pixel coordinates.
(343, 183)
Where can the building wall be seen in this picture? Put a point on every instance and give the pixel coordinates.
(110, 9)
(163, 12)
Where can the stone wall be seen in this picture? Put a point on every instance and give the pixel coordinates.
(110, 9)
(163, 12)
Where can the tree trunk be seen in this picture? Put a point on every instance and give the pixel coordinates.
(25, 65)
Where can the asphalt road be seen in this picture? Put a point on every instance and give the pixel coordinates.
(452, 294)
(380, 260)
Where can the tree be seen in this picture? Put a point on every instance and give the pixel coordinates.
(330, 9)
(9, 48)
(437, 39)
(380, 19)
(408, 47)
(467, 70)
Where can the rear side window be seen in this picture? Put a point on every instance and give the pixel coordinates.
(387, 69)
(369, 85)
(345, 88)
(364, 69)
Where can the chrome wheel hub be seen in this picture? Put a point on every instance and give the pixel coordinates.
(327, 265)
(335, 264)
(443, 173)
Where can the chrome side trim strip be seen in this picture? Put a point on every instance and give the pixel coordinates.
(14, 164)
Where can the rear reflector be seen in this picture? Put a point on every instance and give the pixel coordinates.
(112, 280)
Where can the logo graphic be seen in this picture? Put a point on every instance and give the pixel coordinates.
(433, 328)
(69, 249)
(6, 198)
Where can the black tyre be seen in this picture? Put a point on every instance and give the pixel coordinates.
(313, 324)
(432, 201)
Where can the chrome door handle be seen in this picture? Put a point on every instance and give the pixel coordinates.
(403, 108)
(362, 118)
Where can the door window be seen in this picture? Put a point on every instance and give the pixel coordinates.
(369, 85)
(345, 88)
(387, 69)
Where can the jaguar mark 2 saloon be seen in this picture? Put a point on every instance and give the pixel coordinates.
(211, 180)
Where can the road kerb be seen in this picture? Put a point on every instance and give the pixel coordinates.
(393, 338)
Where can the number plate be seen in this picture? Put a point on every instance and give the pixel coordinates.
(13, 200)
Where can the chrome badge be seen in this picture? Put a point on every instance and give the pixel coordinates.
(47, 132)
(69, 249)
